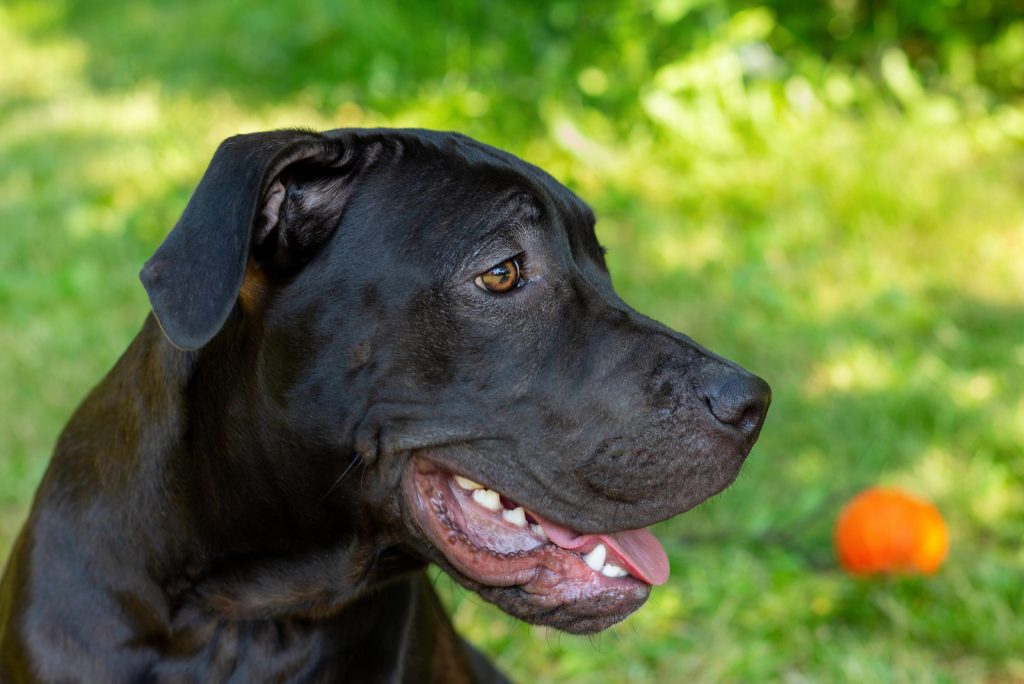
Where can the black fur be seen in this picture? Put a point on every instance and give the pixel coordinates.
(228, 504)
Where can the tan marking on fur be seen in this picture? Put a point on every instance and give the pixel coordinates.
(254, 288)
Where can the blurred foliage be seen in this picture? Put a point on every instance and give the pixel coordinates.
(829, 193)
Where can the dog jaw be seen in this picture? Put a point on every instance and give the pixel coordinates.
(498, 549)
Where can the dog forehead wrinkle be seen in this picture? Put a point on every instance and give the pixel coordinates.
(484, 165)
(475, 215)
(507, 236)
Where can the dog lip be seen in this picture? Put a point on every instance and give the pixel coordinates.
(631, 552)
(444, 505)
(512, 566)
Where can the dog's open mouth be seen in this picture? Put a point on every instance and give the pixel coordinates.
(530, 565)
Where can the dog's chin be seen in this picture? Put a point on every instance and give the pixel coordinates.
(496, 548)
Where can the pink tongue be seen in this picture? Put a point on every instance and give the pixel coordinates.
(639, 549)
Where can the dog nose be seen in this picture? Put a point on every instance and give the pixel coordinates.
(739, 399)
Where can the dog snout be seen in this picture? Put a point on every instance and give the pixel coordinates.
(738, 399)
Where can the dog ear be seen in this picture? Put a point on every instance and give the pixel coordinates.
(271, 196)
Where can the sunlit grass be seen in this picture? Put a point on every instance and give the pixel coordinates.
(858, 243)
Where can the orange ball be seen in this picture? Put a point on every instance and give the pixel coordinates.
(889, 531)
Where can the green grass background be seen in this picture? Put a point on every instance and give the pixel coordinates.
(832, 194)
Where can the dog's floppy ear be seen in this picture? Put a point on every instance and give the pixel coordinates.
(270, 195)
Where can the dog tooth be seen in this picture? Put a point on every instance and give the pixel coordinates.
(595, 559)
(539, 531)
(517, 516)
(488, 498)
(466, 483)
(612, 570)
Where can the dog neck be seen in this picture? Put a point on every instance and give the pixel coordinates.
(134, 548)
(187, 480)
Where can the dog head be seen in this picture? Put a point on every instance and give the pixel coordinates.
(435, 358)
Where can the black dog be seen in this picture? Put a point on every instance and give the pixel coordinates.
(350, 331)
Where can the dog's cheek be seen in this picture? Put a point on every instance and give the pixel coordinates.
(289, 356)
(432, 350)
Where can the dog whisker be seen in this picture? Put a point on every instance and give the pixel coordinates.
(348, 469)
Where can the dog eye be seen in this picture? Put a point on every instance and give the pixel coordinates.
(502, 278)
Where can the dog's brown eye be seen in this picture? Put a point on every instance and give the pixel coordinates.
(502, 278)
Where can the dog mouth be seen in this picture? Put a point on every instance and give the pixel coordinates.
(532, 567)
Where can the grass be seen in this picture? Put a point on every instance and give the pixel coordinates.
(857, 242)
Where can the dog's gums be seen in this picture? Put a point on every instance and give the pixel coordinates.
(489, 541)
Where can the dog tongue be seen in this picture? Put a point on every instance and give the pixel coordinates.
(640, 550)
